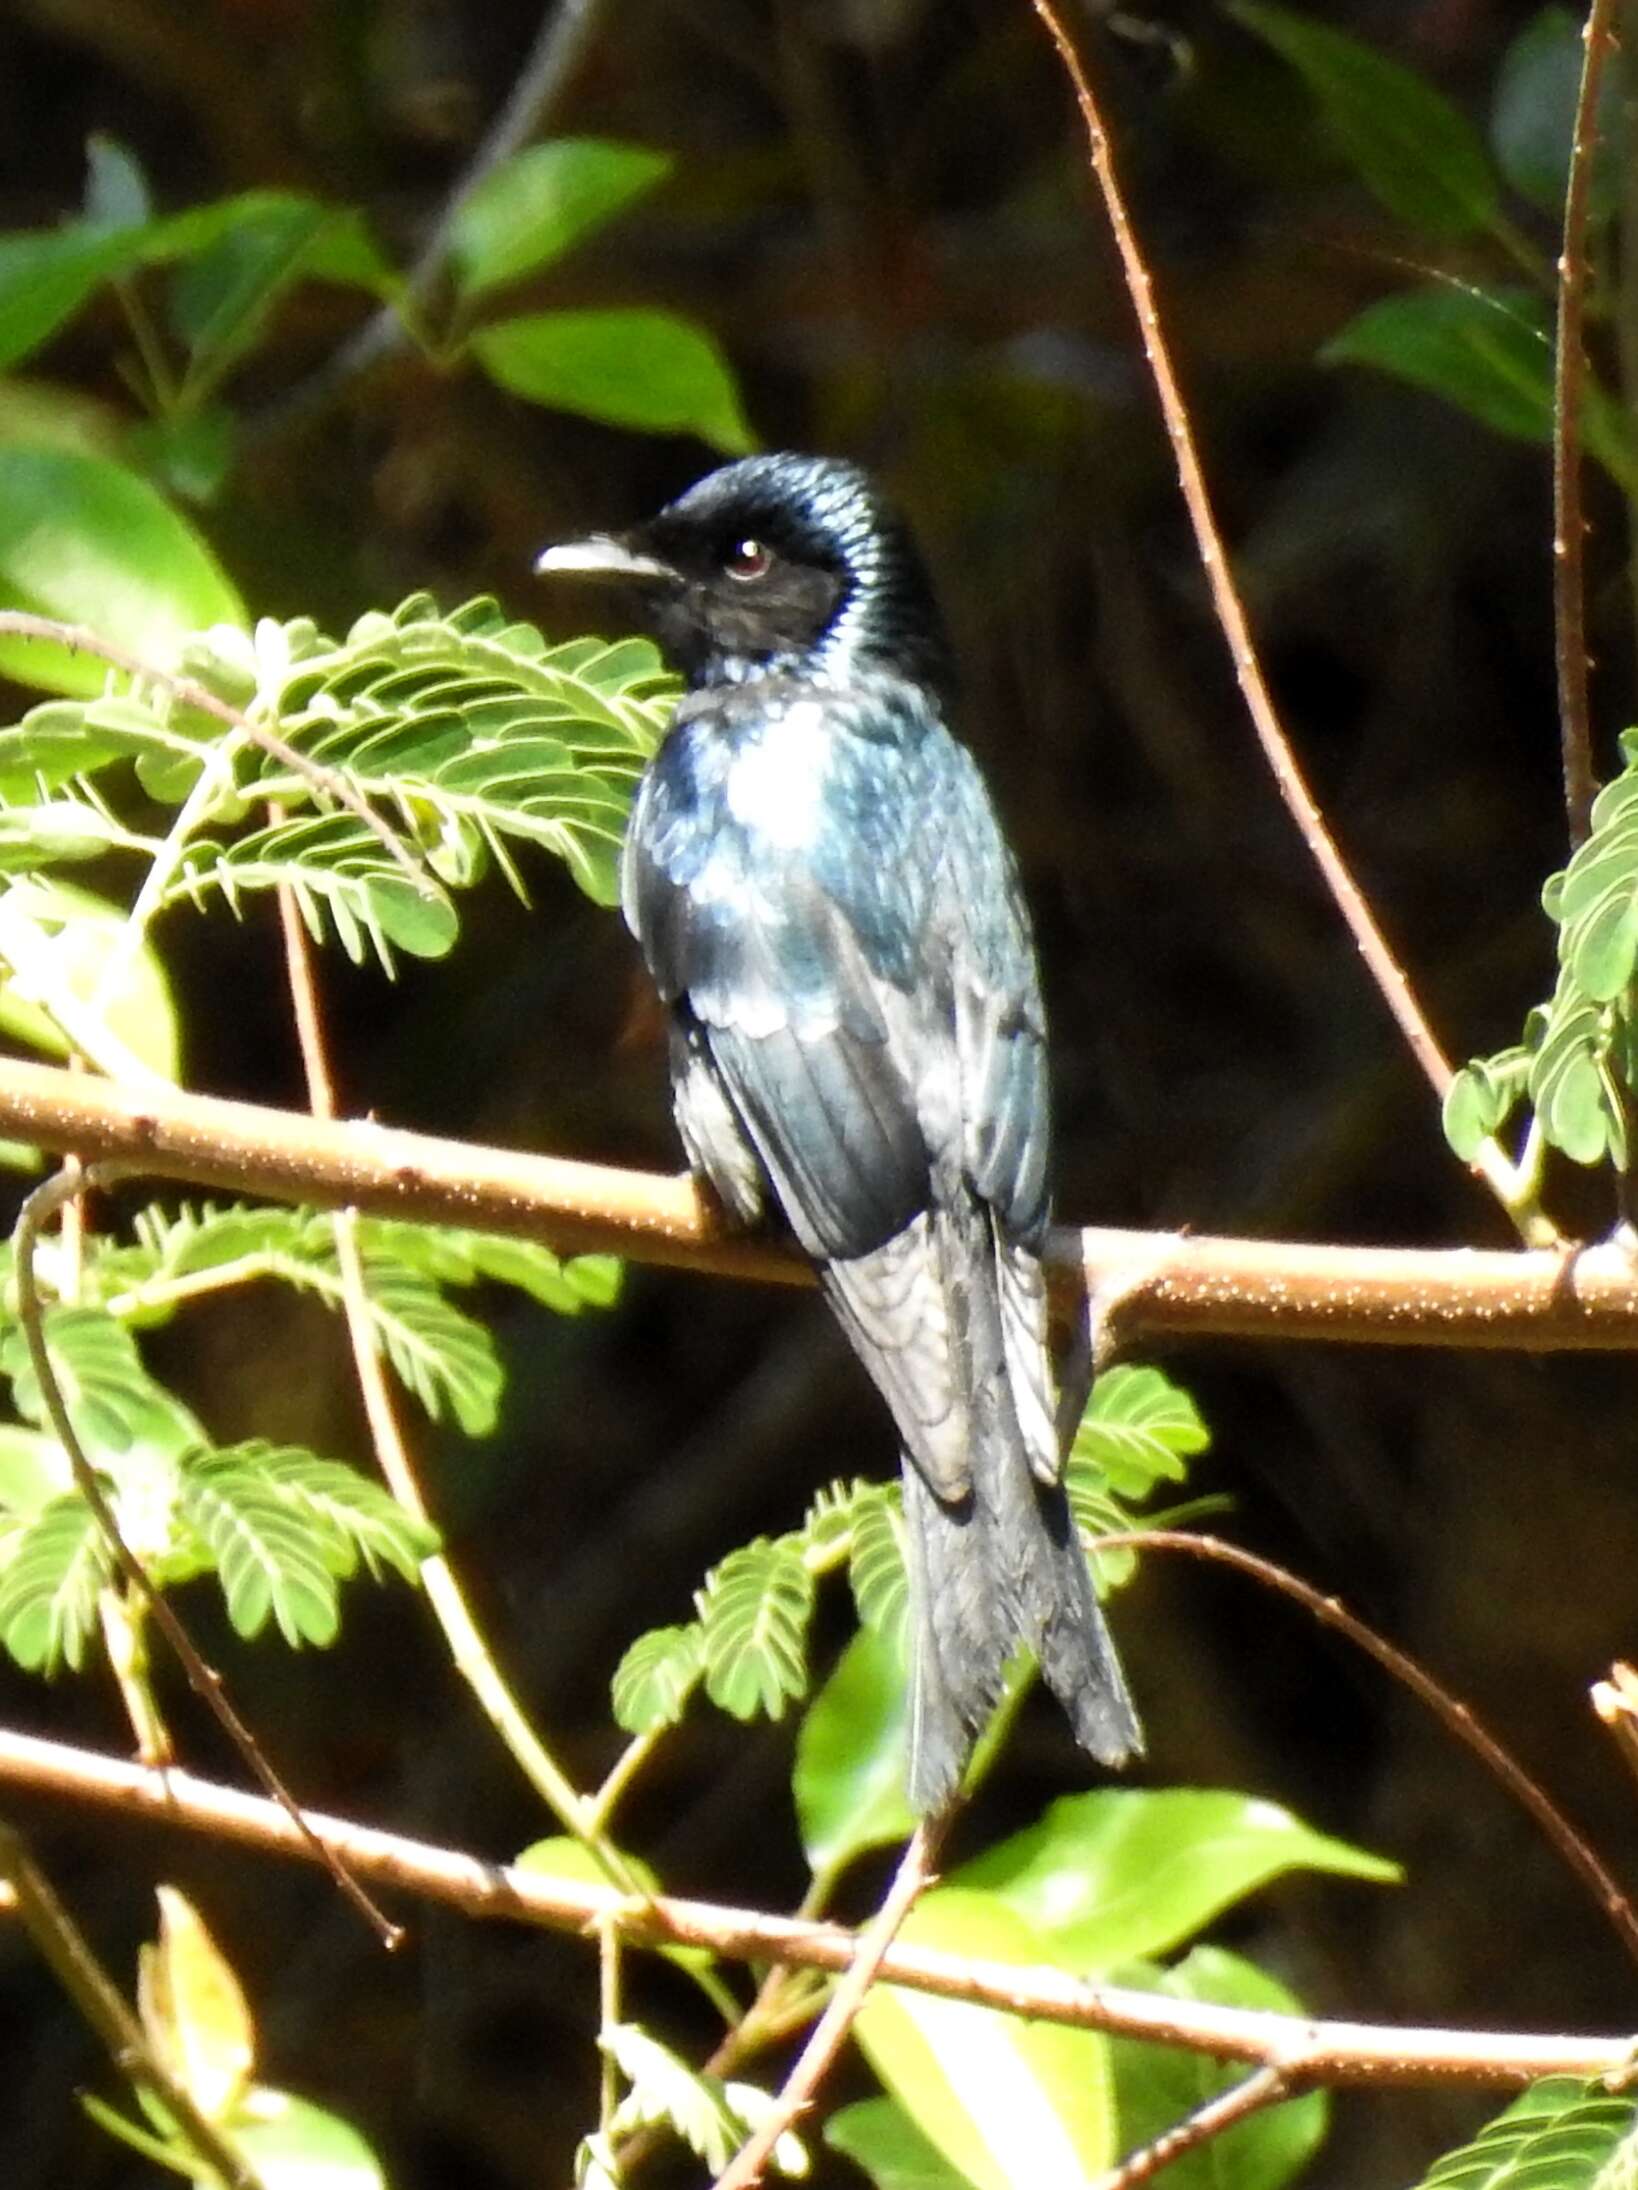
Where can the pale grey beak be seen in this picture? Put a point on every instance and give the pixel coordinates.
(602, 556)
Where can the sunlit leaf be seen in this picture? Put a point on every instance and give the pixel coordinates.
(54, 1567)
(642, 369)
(87, 542)
(1122, 1873)
(876, 1568)
(194, 2011)
(540, 202)
(754, 1610)
(1558, 2135)
(83, 939)
(295, 2145)
(655, 1678)
(848, 1780)
(709, 2116)
(879, 2137)
(269, 1558)
(1139, 1429)
(1006, 2101)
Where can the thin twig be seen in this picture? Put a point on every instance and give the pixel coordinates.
(203, 1679)
(1330, 2052)
(1569, 368)
(1455, 1715)
(79, 639)
(101, 2004)
(829, 2034)
(1202, 1286)
(1384, 969)
(1263, 2087)
(561, 42)
(468, 1648)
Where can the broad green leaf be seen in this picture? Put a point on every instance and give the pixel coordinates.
(754, 1610)
(647, 370)
(536, 205)
(876, 1568)
(1159, 2086)
(1411, 148)
(87, 542)
(654, 1680)
(1558, 2135)
(194, 2011)
(221, 297)
(295, 2145)
(879, 2137)
(269, 1559)
(82, 940)
(54, 1568)
(1122, 1874)
(1532, 118)
(1004, 2100)
(47, 274)
(1488, 351)
(1139, 1428)
(850, 1748)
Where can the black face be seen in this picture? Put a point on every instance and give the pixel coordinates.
(748, 591)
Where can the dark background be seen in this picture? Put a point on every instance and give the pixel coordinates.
(882, 211)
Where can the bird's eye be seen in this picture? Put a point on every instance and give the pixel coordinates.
(749, 559)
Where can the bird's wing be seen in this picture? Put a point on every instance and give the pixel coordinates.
(867, 1000)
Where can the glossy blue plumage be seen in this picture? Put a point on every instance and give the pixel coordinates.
(823, 895)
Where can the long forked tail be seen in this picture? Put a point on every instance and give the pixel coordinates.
(994, 1570)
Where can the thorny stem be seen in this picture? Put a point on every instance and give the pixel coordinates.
(1491, 1160)
(1569, 368)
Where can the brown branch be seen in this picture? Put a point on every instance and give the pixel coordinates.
(1200, 1287)
(1373, 946)
(1325, 2052)
(829, 2034)
(1450, 1710)
(1263, 2087)
(1569, 366)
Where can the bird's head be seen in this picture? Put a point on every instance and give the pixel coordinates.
(776, 563)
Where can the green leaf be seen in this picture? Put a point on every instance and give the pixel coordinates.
(1004, 2100)
(457, 1257)
(221, 298)
(536, 205)
(47, 274)
(849, 1774)
(294, 2145)
(1488, 351)
(1139, 1428)
(34, 1469)
(1532, 119)
(880, 2138)
(87, 542)
(1121, 1873)
(444, 1357)
(651, 371)
(1558, 2135)
(350, 1517)
(561, 1857)
(1482, 1097)
(117, 1409)
(59, 740)
(1159, 2086)
(1411, 148)
(876, 1570)
(342, 876)
(81, 939)
(1576, 1101)
(754, 1610)
(54, 1568)
(712, 2117)
(194, 2011)
(271, 1560)
(654, 1680)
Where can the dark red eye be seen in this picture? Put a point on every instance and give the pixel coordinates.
(749, 559)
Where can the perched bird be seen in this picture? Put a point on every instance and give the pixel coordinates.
(824, 898)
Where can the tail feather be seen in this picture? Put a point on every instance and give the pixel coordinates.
(999, 1567)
